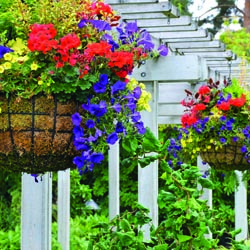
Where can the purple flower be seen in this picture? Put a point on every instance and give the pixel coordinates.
(117, 107)
(112, 138)
(4, 50)
(136, 116)
(76, 119)
(137, 92)
(82, 23)
(78, 131)
(140, 127)
(118, 86)
(163, 50)
(90, 124)
(146, 41)
(131, 27)
(100, 25)
(96, 158)
(98, 133)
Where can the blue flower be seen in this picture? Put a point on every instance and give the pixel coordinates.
(78, 131)
(76, 119)
(112, 138)
(96, 158)
(244, 149)
(119, 127)
(81, 144)
(90, 123)
(223, 140)
(4, 50)
(78, 161)
(118, 86)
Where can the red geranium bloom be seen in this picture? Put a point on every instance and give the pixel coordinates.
(224, 106)
(188, 119)
(199, 107)
(203, 90)
(238, 102)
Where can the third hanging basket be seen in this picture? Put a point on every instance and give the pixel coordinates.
(36, 134)
(228, 157)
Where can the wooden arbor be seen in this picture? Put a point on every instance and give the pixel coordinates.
(196, 65)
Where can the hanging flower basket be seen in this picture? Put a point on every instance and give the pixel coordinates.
(36, 134)
(227, 157)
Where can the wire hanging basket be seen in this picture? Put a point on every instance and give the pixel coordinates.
(36, 134)
(228, 157)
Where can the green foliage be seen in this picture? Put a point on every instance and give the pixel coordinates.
(123, 232)
(237, 41)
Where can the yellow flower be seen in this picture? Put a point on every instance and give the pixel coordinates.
(34, 66)
(1, 69)
(40, 82)
(209, 147)
(7, 65)
(8, 57)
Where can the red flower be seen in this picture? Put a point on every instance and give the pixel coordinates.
(41, 38)
(203, 90)
(122, 60)
(199, 107)
(188, 119)
(98, 49)
(238, 102)
(224, 106)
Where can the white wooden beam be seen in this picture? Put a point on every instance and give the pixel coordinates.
(192, 69)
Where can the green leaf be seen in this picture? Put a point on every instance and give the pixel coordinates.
(206, 183)
(125, 225)
(126, 238)
(150, 143)
(161, 247)
(183, 238)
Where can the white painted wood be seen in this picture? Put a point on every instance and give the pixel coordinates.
(36, 213)
(209, 37)
(170, 28)
(241, 219)
(63, 206)
(148, 176)
(191, 69)
(114, 181)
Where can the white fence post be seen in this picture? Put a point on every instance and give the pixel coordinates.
(241, 220)
(148, 176)
(63, 206)
(207, 194)
(114, 181)
(36, 213)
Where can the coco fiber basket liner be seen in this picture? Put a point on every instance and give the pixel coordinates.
(36, 134)
(228, 157)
